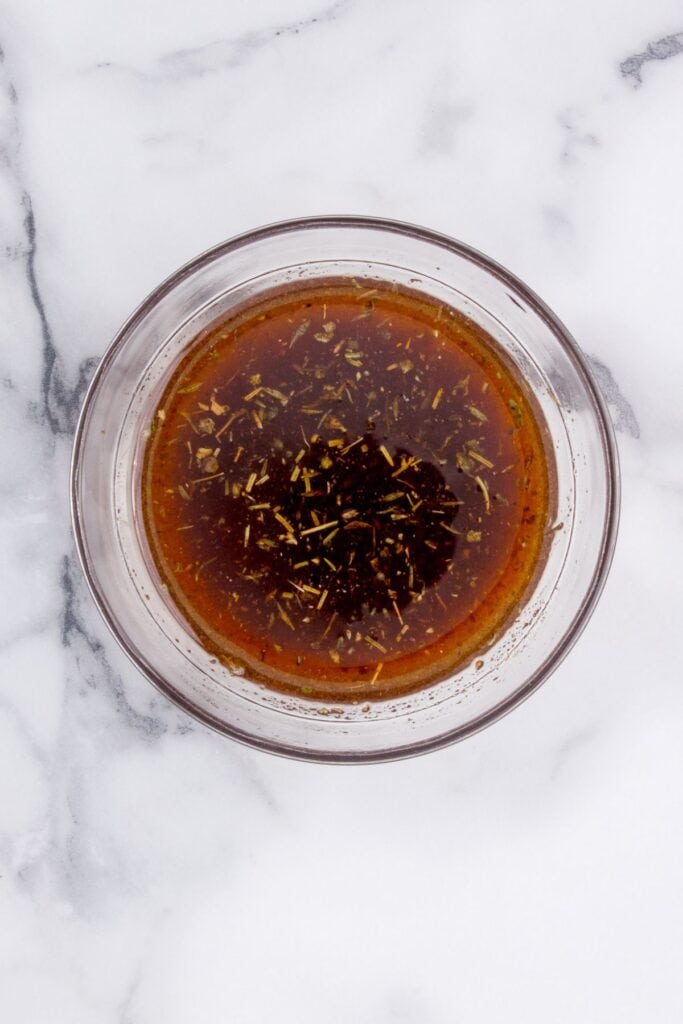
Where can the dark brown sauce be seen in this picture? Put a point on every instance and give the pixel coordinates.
(345, 491)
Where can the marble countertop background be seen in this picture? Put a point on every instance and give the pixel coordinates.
(153, 873)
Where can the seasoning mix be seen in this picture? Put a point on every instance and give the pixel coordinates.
(345, 490)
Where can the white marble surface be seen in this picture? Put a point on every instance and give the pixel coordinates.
(153, 873)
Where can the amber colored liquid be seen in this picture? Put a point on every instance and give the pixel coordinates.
(345, 491)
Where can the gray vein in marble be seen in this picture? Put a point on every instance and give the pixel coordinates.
(74, 631)
(625, 420)
(575, 137)
(556, 222)
(126, 1013)
(225, 54)
(661, 49)
(10, 711)
(256, 780)
(440, 127)
(572, 745)
(59, 402)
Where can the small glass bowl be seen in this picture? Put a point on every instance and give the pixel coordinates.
(107, 461)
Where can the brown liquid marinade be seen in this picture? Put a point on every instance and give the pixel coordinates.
(345, 491)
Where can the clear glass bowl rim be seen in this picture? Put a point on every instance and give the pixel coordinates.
(564, 338)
